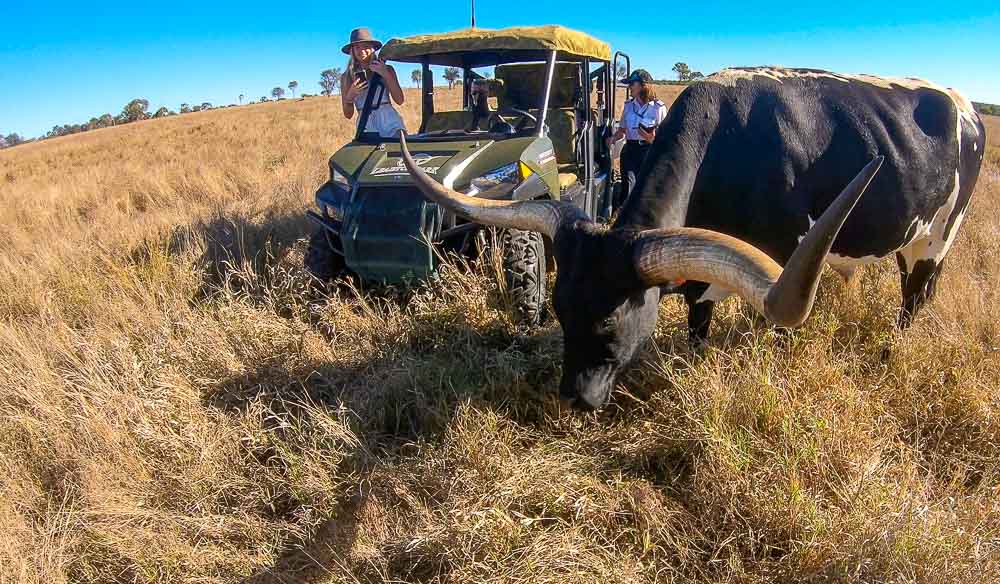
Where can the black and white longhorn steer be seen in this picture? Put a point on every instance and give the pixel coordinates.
(746, 167)
(758, 153)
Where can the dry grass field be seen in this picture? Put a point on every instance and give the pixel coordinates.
(179, 405)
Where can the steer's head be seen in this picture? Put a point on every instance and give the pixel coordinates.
(606, 291)
(605, 309)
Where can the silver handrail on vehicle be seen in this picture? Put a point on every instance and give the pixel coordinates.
(550, 68)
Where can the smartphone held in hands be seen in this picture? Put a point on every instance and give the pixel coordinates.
(647, 129)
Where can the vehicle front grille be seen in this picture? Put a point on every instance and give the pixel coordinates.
(389, 233)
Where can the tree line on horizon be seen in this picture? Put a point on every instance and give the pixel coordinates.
(134, 111)
(987, 108)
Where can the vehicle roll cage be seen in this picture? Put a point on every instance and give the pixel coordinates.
(602, 79)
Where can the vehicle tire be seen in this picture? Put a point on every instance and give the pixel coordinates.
(321, 260)
(524, 271)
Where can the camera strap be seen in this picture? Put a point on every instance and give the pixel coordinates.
(376, 82)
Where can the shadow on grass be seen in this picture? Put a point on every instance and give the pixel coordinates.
(233, 249)
(406, 394)
(325, 554)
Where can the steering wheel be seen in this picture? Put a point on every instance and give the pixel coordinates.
(512, 111)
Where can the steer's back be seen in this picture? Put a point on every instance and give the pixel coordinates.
(773, 147)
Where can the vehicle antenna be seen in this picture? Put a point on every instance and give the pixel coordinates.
(473, 13)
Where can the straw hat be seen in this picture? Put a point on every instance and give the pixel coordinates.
(359, 36)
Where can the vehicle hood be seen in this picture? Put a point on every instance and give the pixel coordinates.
(454, 163)
(445, 162)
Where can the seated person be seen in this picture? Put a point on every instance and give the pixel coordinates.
(476, 116)
(480, 103)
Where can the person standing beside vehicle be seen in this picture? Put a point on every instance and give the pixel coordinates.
(641, 116)
(367, 73)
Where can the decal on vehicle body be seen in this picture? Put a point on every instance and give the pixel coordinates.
(394, 166)
(546, 156)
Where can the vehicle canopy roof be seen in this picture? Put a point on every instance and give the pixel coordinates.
(480, 47)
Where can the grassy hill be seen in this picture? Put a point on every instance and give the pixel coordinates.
(178, 405)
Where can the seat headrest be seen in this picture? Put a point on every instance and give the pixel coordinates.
(522, 85)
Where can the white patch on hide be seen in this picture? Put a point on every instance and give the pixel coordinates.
(842, 262)
(715, 293)
(935, 243)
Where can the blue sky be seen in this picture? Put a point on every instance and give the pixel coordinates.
(64, 62)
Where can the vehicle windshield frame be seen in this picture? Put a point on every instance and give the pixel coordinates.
(427, 95)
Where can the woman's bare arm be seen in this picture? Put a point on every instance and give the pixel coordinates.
(346, 100)
(389, 79)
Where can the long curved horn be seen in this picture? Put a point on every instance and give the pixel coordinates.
(542, 216)
(786, 296)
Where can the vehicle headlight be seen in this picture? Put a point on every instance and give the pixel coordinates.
(330, 201)
(340, 179)
(505, 174)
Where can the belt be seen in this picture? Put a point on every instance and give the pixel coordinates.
(637, 142)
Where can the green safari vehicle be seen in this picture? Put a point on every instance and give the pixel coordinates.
(537, 105)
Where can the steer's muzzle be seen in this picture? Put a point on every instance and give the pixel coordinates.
(589, 389)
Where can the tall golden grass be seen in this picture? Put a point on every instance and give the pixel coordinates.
(178, 404)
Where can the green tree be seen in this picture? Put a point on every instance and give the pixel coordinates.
(241, 99)
(620, 71)
(329, 79)
(696, 75)
(185, 108)
(292, 86)
(682, 70)
(106, 121)
(451, 75)
(415, 77)
(13, 139)
(206, 106)
(161, 113)
(987, 108)
(277, 93)
(135, 110)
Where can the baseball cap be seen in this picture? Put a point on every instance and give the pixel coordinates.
(640, 75)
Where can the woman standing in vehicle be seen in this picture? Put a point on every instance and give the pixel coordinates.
(642, 115)
(366, 72)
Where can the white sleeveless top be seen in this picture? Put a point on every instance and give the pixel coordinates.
(384, 118)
